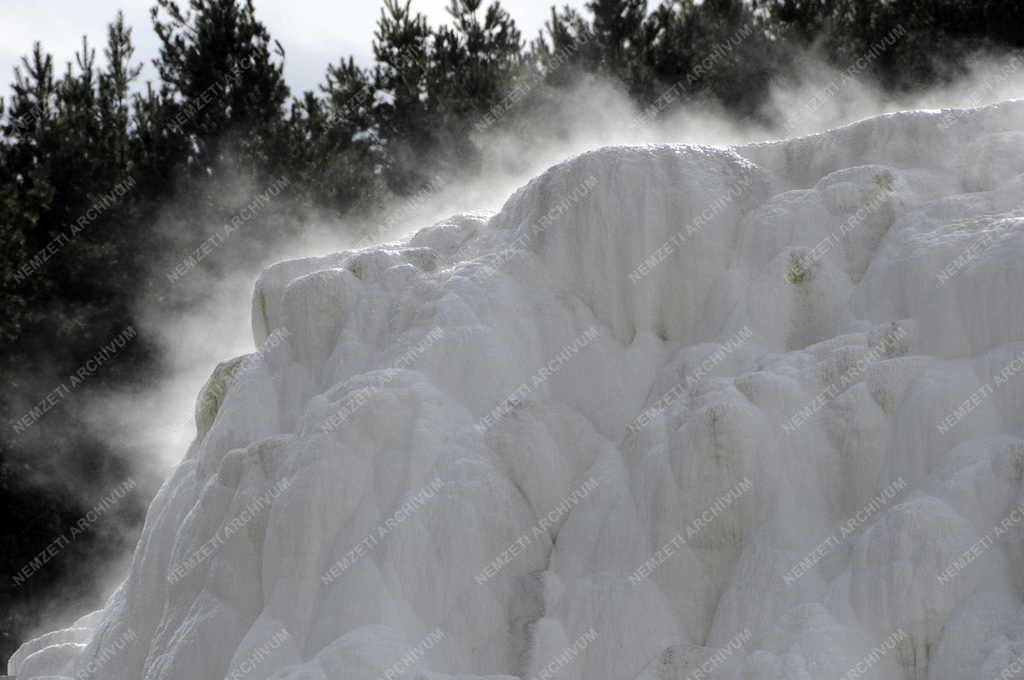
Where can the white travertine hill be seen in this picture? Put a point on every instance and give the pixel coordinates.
(673, 412)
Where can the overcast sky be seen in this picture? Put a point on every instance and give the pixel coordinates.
(314, 33)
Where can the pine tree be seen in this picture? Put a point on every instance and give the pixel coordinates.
(616, 28)
(220, 63)
(476, 62)
(30, 134)
(565, 49)
(339, 140)
(403, 113)
(114, 92)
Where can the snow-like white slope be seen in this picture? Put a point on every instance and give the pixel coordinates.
(672, 412)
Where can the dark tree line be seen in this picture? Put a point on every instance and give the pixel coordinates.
(79, 255)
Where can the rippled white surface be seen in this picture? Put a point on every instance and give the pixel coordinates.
(671, 410)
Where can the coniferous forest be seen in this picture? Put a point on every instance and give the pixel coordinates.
(107, 183)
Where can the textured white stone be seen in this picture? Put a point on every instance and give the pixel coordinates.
(416, 342)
